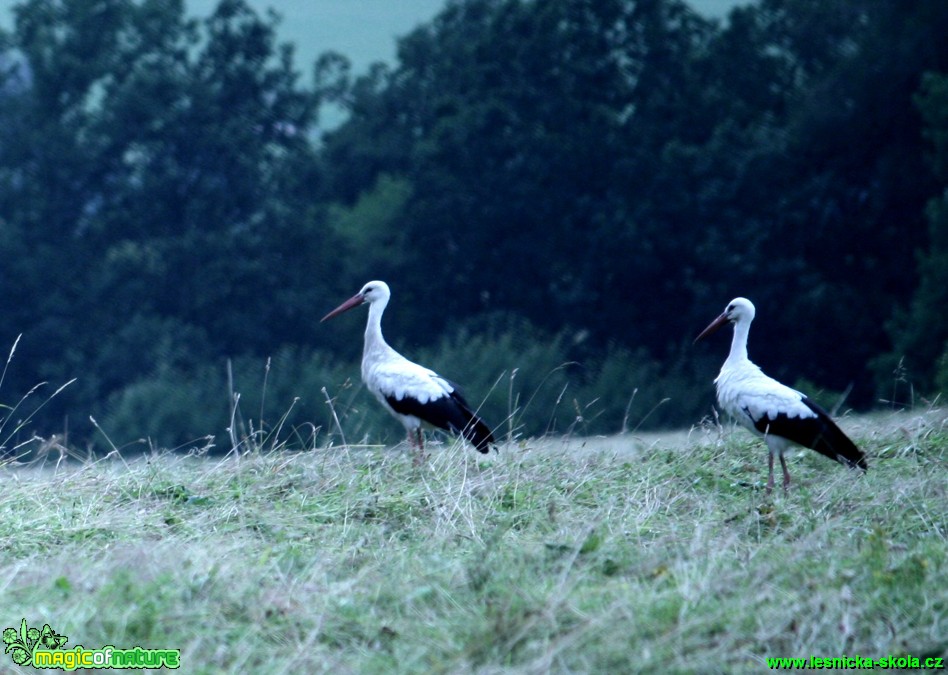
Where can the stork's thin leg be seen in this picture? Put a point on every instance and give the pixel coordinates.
(786, 474)
(770, 471)
(414, 435)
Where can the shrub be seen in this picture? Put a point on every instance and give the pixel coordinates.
(523, 381)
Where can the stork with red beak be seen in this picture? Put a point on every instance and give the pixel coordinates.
(781, 415)
(411, 393)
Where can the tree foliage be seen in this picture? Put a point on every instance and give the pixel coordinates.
(600, 164)
(156, 194)
(920, 332)
(608, 172)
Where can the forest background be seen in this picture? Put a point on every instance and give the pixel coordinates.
(560, 193)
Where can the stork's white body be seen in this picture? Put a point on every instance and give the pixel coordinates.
(412, 393)
(749, 396)
(389, 375)
(780, 415)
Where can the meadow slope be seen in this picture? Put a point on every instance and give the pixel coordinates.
(656, 553)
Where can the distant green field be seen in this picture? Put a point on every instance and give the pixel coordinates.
(622, 554)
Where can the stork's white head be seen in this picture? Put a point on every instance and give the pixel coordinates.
(373, 292)
(738, 310)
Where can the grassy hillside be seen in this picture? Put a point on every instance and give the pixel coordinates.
(624, 554)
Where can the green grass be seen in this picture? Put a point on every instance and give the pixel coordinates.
(624, 554)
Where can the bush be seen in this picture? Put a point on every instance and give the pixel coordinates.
(522, 381)
(249, 401)
(526, 382)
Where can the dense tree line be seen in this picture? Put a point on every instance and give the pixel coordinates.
(561, 193)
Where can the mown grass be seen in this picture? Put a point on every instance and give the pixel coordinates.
(619, 554)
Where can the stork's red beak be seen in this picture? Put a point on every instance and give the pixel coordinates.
(354, 301)
(712, 327)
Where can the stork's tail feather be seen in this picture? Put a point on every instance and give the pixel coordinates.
(835, 444)
(478, 434)
(475, 429)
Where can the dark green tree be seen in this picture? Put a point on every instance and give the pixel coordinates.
(157, 191)
(595, 164)
(847, 193)
(919, 358)
(523, 128)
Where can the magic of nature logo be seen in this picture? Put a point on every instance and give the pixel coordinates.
(45, 648)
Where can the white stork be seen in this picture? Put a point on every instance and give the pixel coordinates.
(411, 393)
(781, 415)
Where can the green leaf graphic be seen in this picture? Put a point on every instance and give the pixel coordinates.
(50, 640)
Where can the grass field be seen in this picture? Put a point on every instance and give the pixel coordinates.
(626, 554)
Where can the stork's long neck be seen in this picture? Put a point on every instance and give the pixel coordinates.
(374, 342)
(738, 344)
